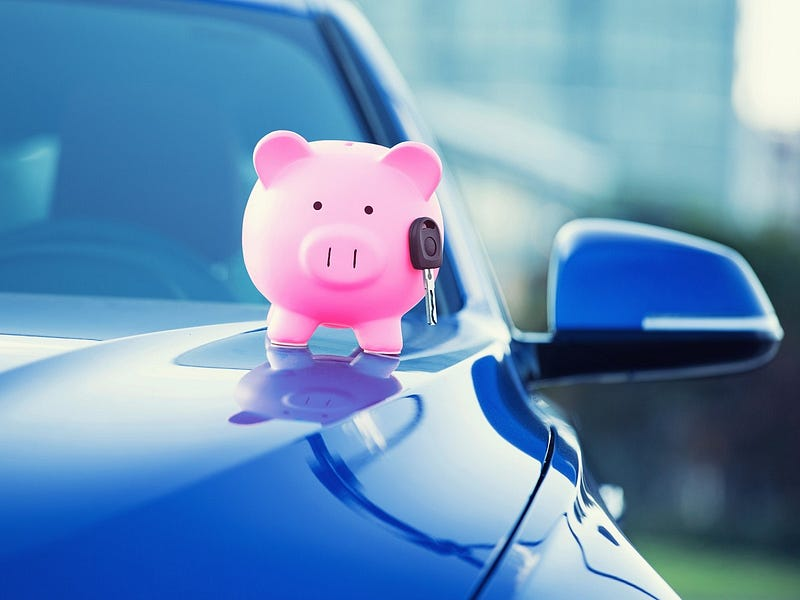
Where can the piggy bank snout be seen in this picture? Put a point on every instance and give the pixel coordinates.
(342, 256)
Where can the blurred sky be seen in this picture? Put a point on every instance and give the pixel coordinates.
(766, 86)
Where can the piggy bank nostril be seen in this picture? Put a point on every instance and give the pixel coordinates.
(329, 256)
(355, 253)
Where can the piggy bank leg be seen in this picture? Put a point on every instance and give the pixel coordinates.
(287, 328)
(381, 337)
(269, 313)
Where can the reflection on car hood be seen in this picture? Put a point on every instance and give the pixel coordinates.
(123, 456)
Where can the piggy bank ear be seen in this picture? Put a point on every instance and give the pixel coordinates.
(276, 151)
(419, 162)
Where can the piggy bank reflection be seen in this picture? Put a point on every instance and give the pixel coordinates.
(294, 384)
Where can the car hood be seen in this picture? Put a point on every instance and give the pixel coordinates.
(191, 461)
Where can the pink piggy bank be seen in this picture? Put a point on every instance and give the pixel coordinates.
(326, 235)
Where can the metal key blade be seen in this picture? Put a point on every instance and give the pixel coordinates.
(430, 295)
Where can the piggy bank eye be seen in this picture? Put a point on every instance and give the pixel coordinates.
(317, 205)
(368, 209)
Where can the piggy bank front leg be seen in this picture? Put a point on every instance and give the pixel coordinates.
(288, 328)
(383, 336)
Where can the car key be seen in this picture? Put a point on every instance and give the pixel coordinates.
(425, 246)
(430, 296)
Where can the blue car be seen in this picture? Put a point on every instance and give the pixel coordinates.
(150, 447)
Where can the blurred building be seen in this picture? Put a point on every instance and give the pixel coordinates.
(552, 109)
(650, 81)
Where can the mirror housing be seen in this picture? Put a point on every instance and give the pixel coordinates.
(631, 301)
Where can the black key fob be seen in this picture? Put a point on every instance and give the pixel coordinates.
(425, 244)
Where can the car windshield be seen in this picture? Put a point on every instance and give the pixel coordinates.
(126, 136)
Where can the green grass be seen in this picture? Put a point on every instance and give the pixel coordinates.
(700, 573)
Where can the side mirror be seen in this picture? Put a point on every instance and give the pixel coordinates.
(632, 301)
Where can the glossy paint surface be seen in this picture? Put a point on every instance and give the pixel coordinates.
(124, 474)
(118, 461)
(571, 550)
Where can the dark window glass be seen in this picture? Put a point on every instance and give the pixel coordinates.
(126, 136)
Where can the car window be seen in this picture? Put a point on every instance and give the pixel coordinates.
(126, 136)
